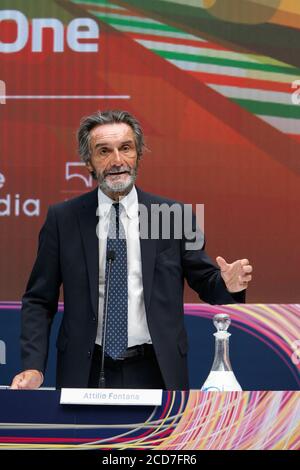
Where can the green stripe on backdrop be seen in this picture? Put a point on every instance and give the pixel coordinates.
(269, 109)
(228, 62)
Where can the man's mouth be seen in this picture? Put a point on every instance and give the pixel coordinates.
(117, 173)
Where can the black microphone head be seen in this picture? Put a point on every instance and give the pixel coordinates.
(111, 255)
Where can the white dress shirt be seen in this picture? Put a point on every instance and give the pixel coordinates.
(138, 332)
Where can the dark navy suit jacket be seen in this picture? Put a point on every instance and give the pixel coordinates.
(68, 255)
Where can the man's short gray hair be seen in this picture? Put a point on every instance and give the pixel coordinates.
(100, 118)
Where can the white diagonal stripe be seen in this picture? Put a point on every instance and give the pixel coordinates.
(286, 125)
(233, 71)
(253, 94)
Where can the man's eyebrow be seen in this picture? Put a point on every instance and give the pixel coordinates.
(104, 144)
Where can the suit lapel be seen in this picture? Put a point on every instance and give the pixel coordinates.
(88, 221)
(148, 252)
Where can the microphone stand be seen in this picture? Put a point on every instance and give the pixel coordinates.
(111, 256)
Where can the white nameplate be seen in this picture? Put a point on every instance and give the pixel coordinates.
(110, 396)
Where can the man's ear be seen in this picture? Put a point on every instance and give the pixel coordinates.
(91, 169)
(89, 166)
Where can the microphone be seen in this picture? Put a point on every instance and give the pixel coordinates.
(110, 256)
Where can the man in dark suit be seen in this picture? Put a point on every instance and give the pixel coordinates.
(145, 342)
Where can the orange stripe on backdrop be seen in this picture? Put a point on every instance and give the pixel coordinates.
(241, 82)
(288, 14)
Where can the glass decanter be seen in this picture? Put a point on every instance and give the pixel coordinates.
(221, 377)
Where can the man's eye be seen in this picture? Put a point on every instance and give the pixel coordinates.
(126, 148)
(103, 151)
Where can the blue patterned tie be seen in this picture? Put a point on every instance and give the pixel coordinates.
(117, 310)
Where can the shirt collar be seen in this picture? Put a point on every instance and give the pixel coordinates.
(129, 202)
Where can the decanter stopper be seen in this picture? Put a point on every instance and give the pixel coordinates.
(222, 321)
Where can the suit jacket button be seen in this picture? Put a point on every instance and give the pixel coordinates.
(89, 353)
(94, 318)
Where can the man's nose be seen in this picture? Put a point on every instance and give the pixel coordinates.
(116, 157)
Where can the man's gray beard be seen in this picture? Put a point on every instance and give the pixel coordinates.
(117, 187)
